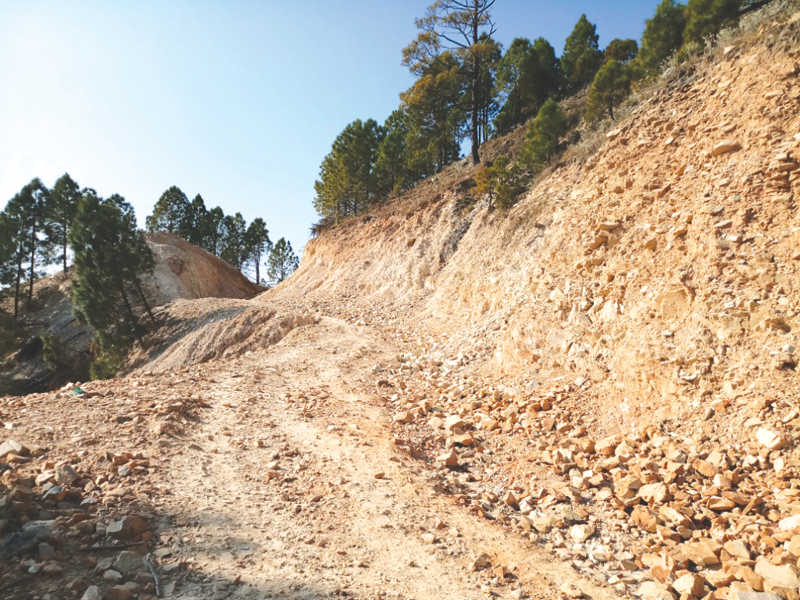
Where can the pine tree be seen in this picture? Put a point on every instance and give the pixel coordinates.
(705, 18)
(212, 230)
(348, 184)
(581, 57)
(63, 203)
(169, 212)
(190, 226)
(502, 183)
(463, 29)
(282, 261)
(234, 241)
(623, 51)
(111, 256)
(610, 87)
(28, 215)
(543, 136)
(436, 117)
(528, 74)
(258, 245)
(391, 166)
(662, 37)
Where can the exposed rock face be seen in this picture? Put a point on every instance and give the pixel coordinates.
(182, 271)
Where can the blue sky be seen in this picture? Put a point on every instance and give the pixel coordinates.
(236, 100)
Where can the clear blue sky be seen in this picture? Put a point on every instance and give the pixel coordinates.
(236, 100)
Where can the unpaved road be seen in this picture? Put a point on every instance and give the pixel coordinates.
(271, 475)
(273, 494)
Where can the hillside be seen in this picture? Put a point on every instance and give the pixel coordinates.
(182, 271)
(593, 394)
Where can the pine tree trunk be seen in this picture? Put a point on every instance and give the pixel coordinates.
(132, 316)
(144, 301)
(475, 109)
(16, 291)
(64, 245)
(258, 260)
(33, 262)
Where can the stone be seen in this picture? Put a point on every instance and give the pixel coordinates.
(53, 570)
(655, 591)
(404, 417)
(24, 541)
(454, 422)
(644, 518)
(126, 528)
(543, 524)
(66, 475)
(703, 553)
(785, 576)
(790, 523)
(751, 578)
(726, 147)
(112, 576)
(118, 592)
(770, 439)
(92, 593)
(737, 548)
(511, 500)
(654, 493)
(691, 584)
(581, 533)
(428, 538)
(12, 447)
(449, 459)
(128, 562)
(756, 596)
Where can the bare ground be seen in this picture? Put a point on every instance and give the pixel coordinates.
(274, 491)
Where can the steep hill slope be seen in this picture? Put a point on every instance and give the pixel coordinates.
(662, 268)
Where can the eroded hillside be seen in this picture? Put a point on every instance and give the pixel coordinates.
(590, 395)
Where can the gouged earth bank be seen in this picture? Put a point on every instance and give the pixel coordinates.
(661, 269)
(196, 331)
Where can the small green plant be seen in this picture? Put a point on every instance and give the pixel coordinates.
(502, 183)
(610, 87)
(544, 134)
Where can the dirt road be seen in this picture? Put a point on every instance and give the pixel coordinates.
(278, 492)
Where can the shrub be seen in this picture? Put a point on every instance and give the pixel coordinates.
(544, 134)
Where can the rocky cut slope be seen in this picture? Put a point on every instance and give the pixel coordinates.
(661, 268)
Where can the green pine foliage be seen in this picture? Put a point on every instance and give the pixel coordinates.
(282, 261)
(258, 245)
(234, 241)
(29, 225)
(581, 58)
(169, 212)
(544, 134)
(662, 37)
(63, 203)
(348, 183)
(461, 32)
(111, 258)
(704, 18)
(502, 183)
(623, 51)
(527, 75)
(610, 87)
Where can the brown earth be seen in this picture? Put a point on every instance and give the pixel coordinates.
(591, 394)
